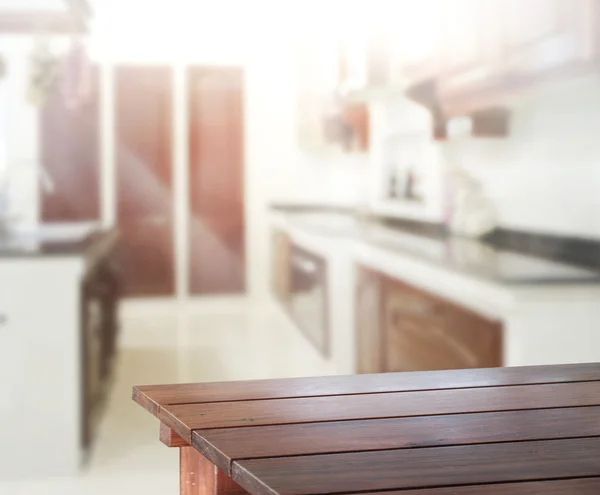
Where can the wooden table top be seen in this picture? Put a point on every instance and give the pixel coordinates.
(520, 431)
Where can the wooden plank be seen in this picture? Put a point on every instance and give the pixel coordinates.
(222, 446)
(189, 417)
(151, 397)
(170, 438)
(581, 486)
(199, 476)
(145, 401)
(421, 468)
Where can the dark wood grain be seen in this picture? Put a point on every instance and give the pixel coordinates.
(222, 446)
(145, 401)
(421, 468)
(581, 486)
(151, 397)
(170, 438)
(184, 418)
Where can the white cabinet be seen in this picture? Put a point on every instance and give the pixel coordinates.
(546, 35)
(415, 37)
(11, 346)
(40, 366)
(470, 48)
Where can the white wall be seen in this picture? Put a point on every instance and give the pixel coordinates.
(20, 129)
(277, 170)
(546, 175)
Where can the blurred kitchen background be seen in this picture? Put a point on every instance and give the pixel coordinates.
(207, 191)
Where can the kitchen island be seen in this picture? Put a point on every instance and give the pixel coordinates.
(59, 290)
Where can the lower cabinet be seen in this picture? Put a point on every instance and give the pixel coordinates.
(99, 327)
(369, 321)
(280, 272)
(402, 328)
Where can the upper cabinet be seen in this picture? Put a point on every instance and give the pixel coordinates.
(470, 48)
(473, 55)
(549, 36)
(414, 39)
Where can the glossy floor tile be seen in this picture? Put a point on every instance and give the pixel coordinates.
(167, 343)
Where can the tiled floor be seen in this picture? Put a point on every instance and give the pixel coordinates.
(188, 343)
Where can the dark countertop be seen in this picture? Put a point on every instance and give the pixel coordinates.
(472, 257)
(55, 241)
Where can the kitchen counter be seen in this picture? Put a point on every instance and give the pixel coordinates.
(548, 309)
(51, 240)
(470, 257)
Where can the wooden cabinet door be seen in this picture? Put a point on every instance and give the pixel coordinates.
(143, 114)
(281, 267)
(424, 332)
(369, 345)
(70, 156)
(542, 35)
(216, 181)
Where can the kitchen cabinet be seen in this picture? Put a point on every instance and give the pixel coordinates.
(59, 335)
(469, 50)
(545, 36)
(69, 145)
(216, 181)
(402, 328)
(144, 178)
(415, 45)
(368, 320)
(479, 54)
(281, 266)
(99, 327)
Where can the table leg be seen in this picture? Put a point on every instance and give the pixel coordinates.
(199, 476)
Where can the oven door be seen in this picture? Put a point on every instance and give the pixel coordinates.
(309, 302)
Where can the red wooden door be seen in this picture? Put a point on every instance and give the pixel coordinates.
(70, 156)
(216, 181)
(143, 114)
